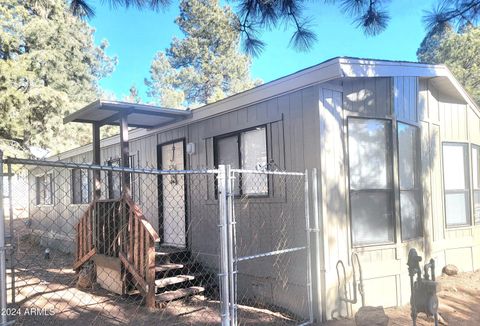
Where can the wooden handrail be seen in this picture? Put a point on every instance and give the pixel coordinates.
(84, 239)
(137, 250)
(138, 212)
(118, 228)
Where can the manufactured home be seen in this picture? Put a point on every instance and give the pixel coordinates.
(396, 146)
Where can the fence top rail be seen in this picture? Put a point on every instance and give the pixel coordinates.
(86, 166)
(267, 172)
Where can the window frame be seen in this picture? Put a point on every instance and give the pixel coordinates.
(390, 177)
(466, 191)
(41, 189)
(417, 189)
(474, 190)
(89, 187)
(238, 134)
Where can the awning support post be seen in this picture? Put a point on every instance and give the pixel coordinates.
(96, 160)
(125, 152)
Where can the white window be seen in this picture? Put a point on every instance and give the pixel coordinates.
(245, 150)
(408, 170)
(81, 186)
(371, 183)
(456, 184)
(476, 182)
(44, 189)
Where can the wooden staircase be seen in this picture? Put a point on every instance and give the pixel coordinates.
(117, 228)
(174, 276)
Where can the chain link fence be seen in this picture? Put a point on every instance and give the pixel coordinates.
(94, 245)
(271, 247)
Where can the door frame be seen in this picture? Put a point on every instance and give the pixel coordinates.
(160, 188)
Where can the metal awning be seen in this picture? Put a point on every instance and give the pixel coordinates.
(103, 112)
(125, 115)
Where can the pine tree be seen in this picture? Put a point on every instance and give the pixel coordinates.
(206, 65)
(459, 51)
(49, 68)
(133, 96)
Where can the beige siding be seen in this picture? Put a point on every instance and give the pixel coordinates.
(445, 120)
(293, 139)
(453, 117)
(368, 96)
(334, 203)
(473, 126)
(405, 95)
(305, 130)
(440, 118)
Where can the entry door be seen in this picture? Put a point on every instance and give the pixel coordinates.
(173, 195)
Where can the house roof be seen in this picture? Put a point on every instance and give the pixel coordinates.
(104, 112)
(327, 71)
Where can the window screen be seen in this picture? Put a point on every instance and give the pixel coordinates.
(369, 154)
(253, 151)
(371, 191)
(476, 182)
(48, 189)
(408, 168)
(81, 183)
(456, 184)
(245, 150)
(39, 185)
(227, 151)
(44, 189)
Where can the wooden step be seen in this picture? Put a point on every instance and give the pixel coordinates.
(178, 294)
(167, 267)
(163, 282)
(165, 251)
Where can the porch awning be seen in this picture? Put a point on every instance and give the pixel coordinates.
(103, 112)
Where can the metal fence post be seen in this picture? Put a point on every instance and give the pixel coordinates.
(223, 226)
(12, 238)
(231, 244)
(308, 251)
(3, 276)
(319, 246)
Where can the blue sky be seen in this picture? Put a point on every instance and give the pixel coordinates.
(135, 36)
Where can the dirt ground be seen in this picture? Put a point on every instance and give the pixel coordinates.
(459, 304)
(46, 293)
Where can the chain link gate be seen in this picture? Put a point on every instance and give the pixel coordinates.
(269, 262)
(173, 248)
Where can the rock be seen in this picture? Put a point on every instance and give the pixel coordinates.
(86, 277)
(442, 320)
(371, 316)
(450, 270)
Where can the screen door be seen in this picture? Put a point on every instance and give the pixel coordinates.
(173, 195)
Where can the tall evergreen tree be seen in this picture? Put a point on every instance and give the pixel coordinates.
(133, 95)
(459, 51)
(49, 67)
(372, 16)
(206, 65)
